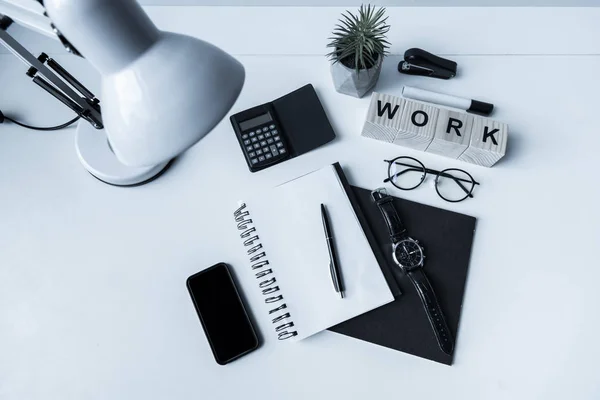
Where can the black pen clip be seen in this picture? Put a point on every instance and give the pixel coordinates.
(420, 62)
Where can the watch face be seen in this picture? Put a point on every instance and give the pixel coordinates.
(408, 254)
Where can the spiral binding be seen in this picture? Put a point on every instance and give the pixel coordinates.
(265, 273)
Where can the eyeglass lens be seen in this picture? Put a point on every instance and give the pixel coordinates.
(406, 173)
(454, 185)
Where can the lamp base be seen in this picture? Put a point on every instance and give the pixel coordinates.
(98, 159)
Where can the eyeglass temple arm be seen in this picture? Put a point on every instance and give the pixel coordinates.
(429, 171)
(463, 188)
(400, 173)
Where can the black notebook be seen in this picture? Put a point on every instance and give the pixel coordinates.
(403, 325)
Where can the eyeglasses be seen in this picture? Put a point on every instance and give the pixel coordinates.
(452, 184)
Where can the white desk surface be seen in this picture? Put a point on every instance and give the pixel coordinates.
(93, 302)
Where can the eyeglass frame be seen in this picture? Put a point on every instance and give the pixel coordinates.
(443, 173)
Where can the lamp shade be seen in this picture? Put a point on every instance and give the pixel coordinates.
(161, 91)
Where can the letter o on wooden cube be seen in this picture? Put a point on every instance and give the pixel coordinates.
(452, 134)
(383, 117)
(488, 142)
(417, 125)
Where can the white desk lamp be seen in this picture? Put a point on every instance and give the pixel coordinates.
(161, 91)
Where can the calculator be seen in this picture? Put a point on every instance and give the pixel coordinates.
(282, 129)
(261, 138)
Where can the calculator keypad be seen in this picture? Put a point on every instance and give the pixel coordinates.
(263, 146)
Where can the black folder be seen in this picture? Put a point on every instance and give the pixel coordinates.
(447, 238)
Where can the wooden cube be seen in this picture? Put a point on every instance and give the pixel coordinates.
(417, 125)
(488, 142)
(452, 133)
(383, 117)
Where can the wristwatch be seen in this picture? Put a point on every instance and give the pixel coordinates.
(408, 254)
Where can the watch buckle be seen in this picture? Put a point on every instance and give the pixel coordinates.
(379, 194)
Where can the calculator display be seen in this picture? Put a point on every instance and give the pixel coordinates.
(251, 123)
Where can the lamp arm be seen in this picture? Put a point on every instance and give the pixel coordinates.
(57, 81)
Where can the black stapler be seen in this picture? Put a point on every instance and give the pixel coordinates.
(420, 62)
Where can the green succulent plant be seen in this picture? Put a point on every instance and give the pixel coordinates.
(359, 41)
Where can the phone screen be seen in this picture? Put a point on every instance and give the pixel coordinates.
(222, 313)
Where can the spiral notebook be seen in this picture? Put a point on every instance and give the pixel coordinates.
(282, 233)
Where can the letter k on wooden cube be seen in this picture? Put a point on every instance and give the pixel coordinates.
(488, 142)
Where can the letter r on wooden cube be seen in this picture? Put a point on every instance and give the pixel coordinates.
(417, 125)
(488, 142)
(452, 134)
(383, 117)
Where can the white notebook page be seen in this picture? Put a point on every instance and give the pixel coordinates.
(288, 221)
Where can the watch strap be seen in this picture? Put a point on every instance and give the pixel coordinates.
(433, 310)
(395, 226)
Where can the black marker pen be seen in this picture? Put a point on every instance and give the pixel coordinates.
(469, 105)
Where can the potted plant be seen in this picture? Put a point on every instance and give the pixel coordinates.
(358, 47)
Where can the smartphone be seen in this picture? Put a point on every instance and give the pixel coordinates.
(222, 313)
